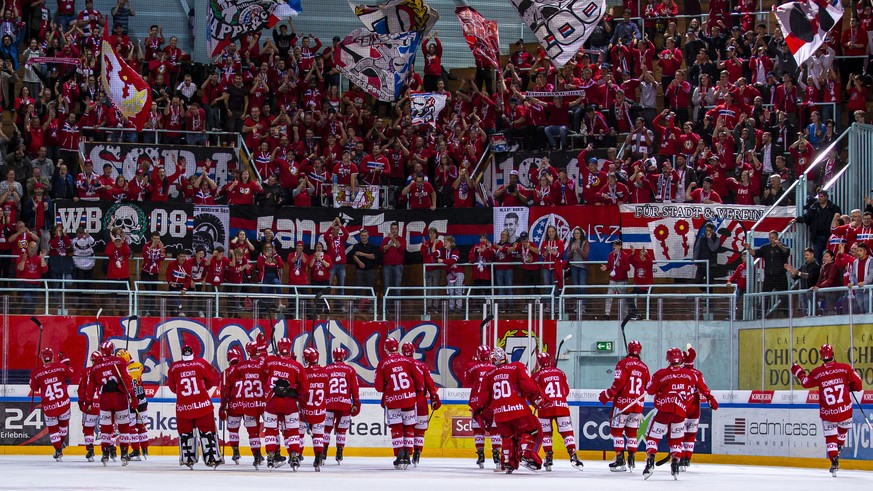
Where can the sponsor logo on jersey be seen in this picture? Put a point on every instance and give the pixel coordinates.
(761, 396)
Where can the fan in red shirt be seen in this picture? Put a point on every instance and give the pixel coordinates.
(630, 381)
(420, 194)
(835, 382)
(286, 382)
(161, 182)
(342, 401)
(111, 385)
(507, 390)
(30, 267)
(313, 407)
(243, 191)
(399, 381)
(51, 382)
(244, 402)
(552, 383)
(118, 254)
(191, 379)
(422, 410)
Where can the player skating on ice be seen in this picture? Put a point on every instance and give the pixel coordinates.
(139, 436)
(630, 382)
(476, 371)
(231, 418)
(190, 379)
(247, 398)
(342, 401)
(422, 409)
(110, 384)
(835, 382)
(313, 406)
(51, 381)
(90, 415)
(554, 411)
(692, 419)
(399, 381)
(507, 390)
(286, 383)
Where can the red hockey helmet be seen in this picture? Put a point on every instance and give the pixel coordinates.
(391, 345)
(408, 349)
(311, 356)
(689, 356)
(544, 359)
(483, 353)
(674, 356)
(107, 348)
(47, 355)
(634, 348)
(234, 355)
(284, 346)
(252, 349)
(498, 356)
(340, 354)
(826, 352)
(95, 357)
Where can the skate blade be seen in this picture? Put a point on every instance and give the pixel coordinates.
(646, 476)
(90, 459)
(481, 465)
(529, 467)
(618, 469)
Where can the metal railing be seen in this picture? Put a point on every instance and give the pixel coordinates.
(419, 303)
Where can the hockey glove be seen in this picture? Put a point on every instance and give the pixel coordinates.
(798, 370)
(435, 403)
(356, 409)
(603, 398)
(712, 402)
(222, 414)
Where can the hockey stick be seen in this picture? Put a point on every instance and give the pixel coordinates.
(858, 403)
(100, 332)
(38, 350)
(133, 318)
(561, 345)
(484, 323)
(634, 403)
(624, 322)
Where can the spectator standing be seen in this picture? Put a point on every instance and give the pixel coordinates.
(365, 255)
(83, 255)
(530, 267)
(393, 256)
(643, 265)
(860, 276)
(179, 281)
(504, 252)
(121, 14)
(298, 264)
(433, 52)
(775, 255)
(706, 249)
(618, 265)
(552, 253)
(60, 259)
(336, 243)
(449, 257)
(216, 267)
(429, 250)
(829, 277)
(319, 268)
(30, 268)
(578, 249)
(118, 264)
(481, 256)
(153, 255)
(807, 274)
(270, 268)
(818, 218)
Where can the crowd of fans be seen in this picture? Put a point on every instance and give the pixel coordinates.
(717, 113)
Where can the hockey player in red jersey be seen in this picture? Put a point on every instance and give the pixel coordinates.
(313, 406)
(507, 390)
(51, 381)
(476, 371)
(630, 382)
(342, 401)
(90, 415)
(692, 419)
(110, 383)
(399, 381)
(834, 382)
(672, 388)
(286, 383)
(139, 436)
(554, 389)
(190, 379)
(230, 418)
(246, 399)
(422, 411)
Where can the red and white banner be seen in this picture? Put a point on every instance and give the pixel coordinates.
(128, 92)
(481, 35)
(670, 231)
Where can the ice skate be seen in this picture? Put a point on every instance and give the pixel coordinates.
(416, 456)
(339, 455)
(236, 455)
(105, 458)
(89, 453)
(318, 462)
(293, 461)
(134, 456)
(674, 468)
(650, 466)
(547, 463)
(59, 455)
(631, 461)
(618, 465)
(480, 458)
(835, 466)
(574, 460)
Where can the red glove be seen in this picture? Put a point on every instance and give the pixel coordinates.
(435, 403)
(82, 406)
(222, 414)
(356, 409)
(604, 399)
(539, 402)
(798, 370)
(712, 402)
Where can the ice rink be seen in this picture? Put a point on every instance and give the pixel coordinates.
(364, 473)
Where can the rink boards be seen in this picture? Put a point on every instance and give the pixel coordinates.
(748, 424)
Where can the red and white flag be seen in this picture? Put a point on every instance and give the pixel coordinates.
(129, 93)
(481, 35)
(806, 23)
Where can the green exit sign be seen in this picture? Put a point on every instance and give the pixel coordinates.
(605, 346)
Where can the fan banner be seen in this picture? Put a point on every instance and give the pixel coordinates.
(365, 198)
(561, 26)
(211, 227)
(426, 107)
(229, 20)
(124, 87)
(396, 16)
(481, 35)
(670, 231)
(805, 25)
(378, 63)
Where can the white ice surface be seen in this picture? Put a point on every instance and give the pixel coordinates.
(366, 473)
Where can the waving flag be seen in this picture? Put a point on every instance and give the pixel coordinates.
(396, 16)
(481, 35)
(229, 20)
(805, 25)
(129, 93)
(426, 107)
(561, 26)
(378, 63)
